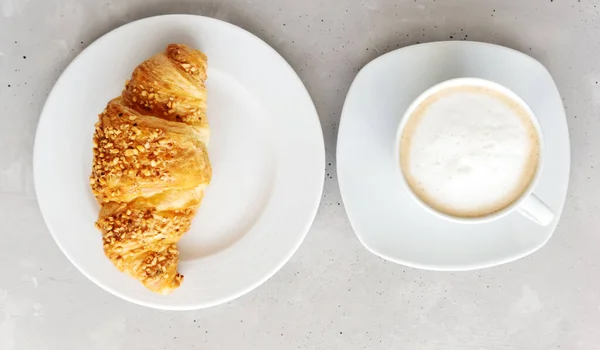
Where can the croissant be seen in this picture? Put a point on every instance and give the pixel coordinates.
(151, 166)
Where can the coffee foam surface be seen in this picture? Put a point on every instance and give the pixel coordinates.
(469, 151)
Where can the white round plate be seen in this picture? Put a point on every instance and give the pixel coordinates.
(385, 218)
(266, 150)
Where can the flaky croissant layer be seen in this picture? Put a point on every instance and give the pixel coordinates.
(151, 165)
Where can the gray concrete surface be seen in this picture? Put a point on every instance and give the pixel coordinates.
(333, 294)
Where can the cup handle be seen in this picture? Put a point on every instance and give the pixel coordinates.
(535, 210)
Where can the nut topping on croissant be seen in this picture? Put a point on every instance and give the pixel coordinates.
(151, 165)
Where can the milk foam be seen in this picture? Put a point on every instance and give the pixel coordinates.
(469, 151)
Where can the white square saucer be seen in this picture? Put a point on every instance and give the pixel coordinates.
(385, 218)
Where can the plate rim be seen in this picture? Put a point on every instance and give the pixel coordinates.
(319, 158)
(453, 267)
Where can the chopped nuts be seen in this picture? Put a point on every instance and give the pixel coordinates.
(123, 151)
(128, 154)
(134, 233)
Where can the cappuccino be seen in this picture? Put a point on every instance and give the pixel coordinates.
(469, 151)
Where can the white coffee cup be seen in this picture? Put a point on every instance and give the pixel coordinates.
(527, 204)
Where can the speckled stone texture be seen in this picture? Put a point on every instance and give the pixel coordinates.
(333, 294)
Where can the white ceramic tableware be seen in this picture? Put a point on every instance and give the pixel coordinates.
(266, 150)
(528, 204)
(384, 216)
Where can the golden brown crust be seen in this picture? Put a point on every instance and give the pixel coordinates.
(139, 155)
(170, 86)
(151, 165)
